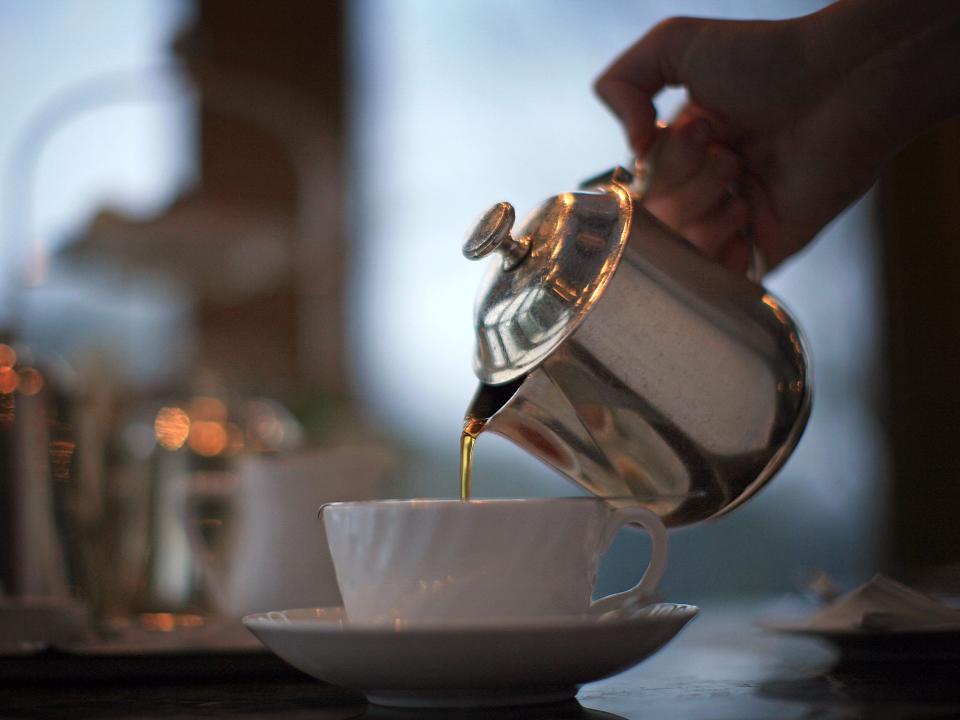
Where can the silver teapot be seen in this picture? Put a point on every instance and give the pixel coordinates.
(614, 351)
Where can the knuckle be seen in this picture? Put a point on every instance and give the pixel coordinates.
(672, 26)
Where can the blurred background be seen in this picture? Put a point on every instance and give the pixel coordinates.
(234, 228)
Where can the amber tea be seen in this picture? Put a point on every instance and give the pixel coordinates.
(485, 404)
(472, 427)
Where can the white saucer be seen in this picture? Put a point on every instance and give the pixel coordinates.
(485, 663)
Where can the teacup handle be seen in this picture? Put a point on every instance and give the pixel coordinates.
(643, 592)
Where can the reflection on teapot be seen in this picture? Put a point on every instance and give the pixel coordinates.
(611, 349)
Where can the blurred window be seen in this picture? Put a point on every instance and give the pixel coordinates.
(94, 119)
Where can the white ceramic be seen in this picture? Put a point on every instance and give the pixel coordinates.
(454, 560)
(273, 551)
(483, 663)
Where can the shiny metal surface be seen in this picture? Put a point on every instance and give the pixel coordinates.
(666, 376)
(492, 234)
(50, 506)
(524, 312)
(38, 560)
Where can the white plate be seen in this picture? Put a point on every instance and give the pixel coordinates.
(466, 665)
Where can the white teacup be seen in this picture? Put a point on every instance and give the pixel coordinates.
(427, 560)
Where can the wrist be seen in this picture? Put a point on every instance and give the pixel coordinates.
(894, 64)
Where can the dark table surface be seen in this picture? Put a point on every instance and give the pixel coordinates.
(722, 666)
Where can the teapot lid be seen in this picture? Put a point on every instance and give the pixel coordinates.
(548, 273)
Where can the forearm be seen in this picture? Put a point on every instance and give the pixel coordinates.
(897, 61)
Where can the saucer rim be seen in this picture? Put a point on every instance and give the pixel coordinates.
(678, 612)
(461, 666)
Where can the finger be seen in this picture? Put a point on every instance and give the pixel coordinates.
(702, 194)
(769, 231)
(681, 153)
(630, 83)
(735, 255)
(665, 208)
(634, 109)
(719, 128)
(698, 197)
(715, 232)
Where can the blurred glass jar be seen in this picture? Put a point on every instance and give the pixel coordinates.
(184, 455)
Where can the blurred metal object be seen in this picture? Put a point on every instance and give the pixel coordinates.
(64, 520)
(44, 563)
(620, 355)
(93, 486)
(199, 441)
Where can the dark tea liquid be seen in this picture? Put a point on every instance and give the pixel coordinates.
(488, 400)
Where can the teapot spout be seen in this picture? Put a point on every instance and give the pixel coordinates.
(535, 414)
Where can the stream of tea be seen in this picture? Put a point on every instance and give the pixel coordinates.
(472, 427)
(487, 402)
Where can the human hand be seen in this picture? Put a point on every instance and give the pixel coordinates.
(807, 106)
(692, 187)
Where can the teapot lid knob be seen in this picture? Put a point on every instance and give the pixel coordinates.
(492, 233)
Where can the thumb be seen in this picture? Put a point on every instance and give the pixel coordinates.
(629, 85)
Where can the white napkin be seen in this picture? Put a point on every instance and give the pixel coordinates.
(885, 605)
